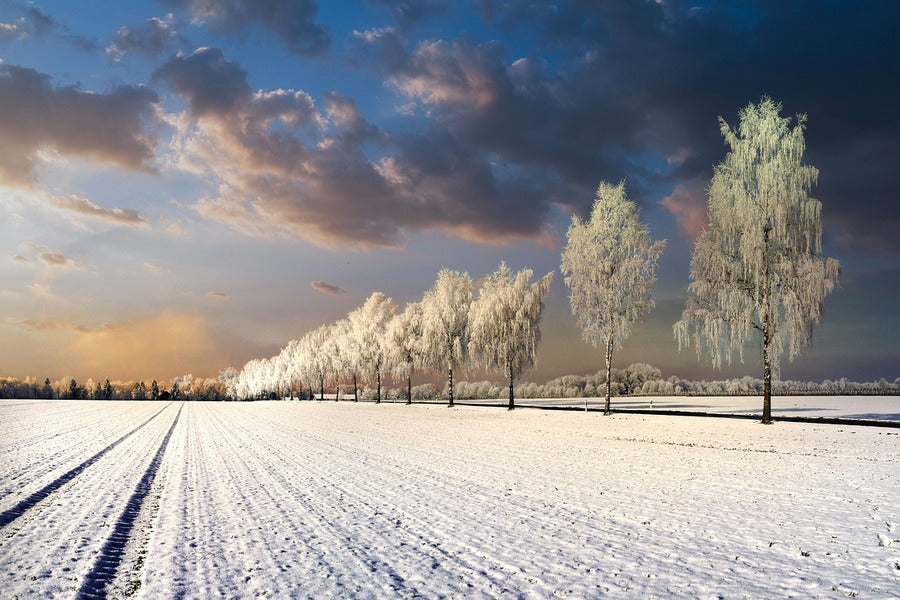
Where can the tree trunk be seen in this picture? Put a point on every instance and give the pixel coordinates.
(377, 386)
(321, 388)
(767, 390)
(355, 389)
(767, 336)
(409, 388)
(450, 383)
(609, 342)
(512, 404)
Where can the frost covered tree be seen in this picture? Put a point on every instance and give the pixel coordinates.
(445, 321)
(610, 268)
(347, 353)
(504, 323)
(404, 344)
(316, 359)
(368, 325)
(758, 266)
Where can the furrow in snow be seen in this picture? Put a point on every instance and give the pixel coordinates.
(96, 582)
(49, 556)
(11, 514)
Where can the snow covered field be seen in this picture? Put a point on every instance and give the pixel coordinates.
(305, 499)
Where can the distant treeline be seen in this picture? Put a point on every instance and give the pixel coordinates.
(638, 379)
(186, 387)
(641, 379)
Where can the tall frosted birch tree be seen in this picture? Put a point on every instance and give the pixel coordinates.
(610, 268)
(504, 323)
(758, 266)
(368, 324)
(404, 337)
(445, 322)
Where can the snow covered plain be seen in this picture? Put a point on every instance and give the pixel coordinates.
(319, 499)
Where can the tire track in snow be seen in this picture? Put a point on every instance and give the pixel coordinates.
(44, 449)
(110, 558)
(11, 514)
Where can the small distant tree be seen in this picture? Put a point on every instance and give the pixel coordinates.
(154, 390)
(445, 322)
(758, 266)
(74, 392)
(107, 390)
(504, 324)
(47, 390)
(405, 344)
(610, 267)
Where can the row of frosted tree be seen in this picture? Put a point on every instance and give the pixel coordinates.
(758, 277)
(497, 328)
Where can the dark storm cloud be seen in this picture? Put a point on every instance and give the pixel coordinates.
(292, 20)
(281, 166)
(152, 37)
(610, 91)
(207, 82)
(104, 127)
(665, 70)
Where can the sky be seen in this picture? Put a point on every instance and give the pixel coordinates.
(189, 184)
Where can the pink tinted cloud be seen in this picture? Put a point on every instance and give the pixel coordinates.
(326, 288)
(688, 205)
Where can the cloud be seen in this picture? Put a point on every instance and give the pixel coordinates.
(326, 288)
(40, 290)
(50, 257)
(108, 128)
(209, 84)
(648, 66)
(142, 346)
(152, 37)
(158, 346)
(496, 142)
(154, 268)
(82, 206)
(688, 206)
(409, 12)
(57, 259)
(31, 23)
(283, 168)
(218, 295)
(294, 21)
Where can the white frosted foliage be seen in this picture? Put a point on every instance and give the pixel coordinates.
(404, 343)
(610, 268)
(445, 321)
(504, 323)
(758, 266)
(368, 326)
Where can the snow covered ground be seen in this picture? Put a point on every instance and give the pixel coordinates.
(319, 499)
